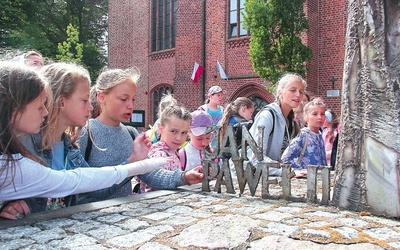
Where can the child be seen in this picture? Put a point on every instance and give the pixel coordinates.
(22, 174)
(192, 154)
(308, 147)
(166, 101)
(174, 127)
(298, 115)
(106, 140)
(329, 134)
(213, 104)
(277, 119)
(238, 112)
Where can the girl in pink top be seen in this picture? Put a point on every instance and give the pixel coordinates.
(174, 127)
(329, 133)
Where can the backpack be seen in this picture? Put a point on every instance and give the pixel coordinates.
(273, 117)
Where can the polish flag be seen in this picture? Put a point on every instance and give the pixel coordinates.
(197, 71)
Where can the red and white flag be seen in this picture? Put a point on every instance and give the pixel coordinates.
(197, 71)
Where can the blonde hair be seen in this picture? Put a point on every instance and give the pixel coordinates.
(284, 81)
(166, 101)
(174, 111)
(107, 80)
(62, 79)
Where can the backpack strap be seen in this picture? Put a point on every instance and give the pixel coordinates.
(88, 146)
(303, 150)
(132, 132)
(273, 117)
(182, 157)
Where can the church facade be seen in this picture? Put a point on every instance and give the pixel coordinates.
(164, 38)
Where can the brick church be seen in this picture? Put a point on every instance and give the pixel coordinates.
(164, 38)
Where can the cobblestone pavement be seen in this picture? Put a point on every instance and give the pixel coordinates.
(192, 219)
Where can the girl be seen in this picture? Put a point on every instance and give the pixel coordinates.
(192, 154)
(166, 101)
(331, 128)
(106, 140)
(213, 104)
(69, 84)
(308, 147)
(115, 90)
(237, 112)
(298, 115)
(174, 127)
(277, 119)
(22, 175)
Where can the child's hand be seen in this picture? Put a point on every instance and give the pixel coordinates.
(301, 173)
(15, 210)
(141, 146)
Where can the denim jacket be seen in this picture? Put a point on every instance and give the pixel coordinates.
(74, 159)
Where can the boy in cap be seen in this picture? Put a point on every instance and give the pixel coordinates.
(200, 138)
(213, 105)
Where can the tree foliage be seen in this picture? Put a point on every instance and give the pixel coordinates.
(71, 49)
(276, 27)
(42, 25)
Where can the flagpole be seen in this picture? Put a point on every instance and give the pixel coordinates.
(203, 51)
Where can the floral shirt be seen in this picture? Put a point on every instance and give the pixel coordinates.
(161, 149)
(313, 155)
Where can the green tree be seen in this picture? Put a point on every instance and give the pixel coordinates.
(71, 49)
(41, 25)
(276, 27)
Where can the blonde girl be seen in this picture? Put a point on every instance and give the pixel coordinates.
(277, 119)
(308, 147)
(174, 127)
(106, 140)
(22, 173)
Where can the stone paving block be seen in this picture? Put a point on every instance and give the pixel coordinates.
(280, 228)
(322, 214)
(82, 227)
(273, 216)
(87, 216)
(311, 233)
(73, 242)
(347, 232)
(139, 211)
(352, 222)
(112, 218)
(154, 246)
(106, 232)
(179, 220)
(48, 235)
(179, 209)
(13, 233)
(224, 232)
(16, 244)
(133, 224)
(56, 223)
(131, 240)
(280, 242)
(157, 216)
(383, 233)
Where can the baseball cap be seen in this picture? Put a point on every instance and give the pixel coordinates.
(215, 89)
(328, 116)
(200, 121)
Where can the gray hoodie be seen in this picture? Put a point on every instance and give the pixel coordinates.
(272, 142)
